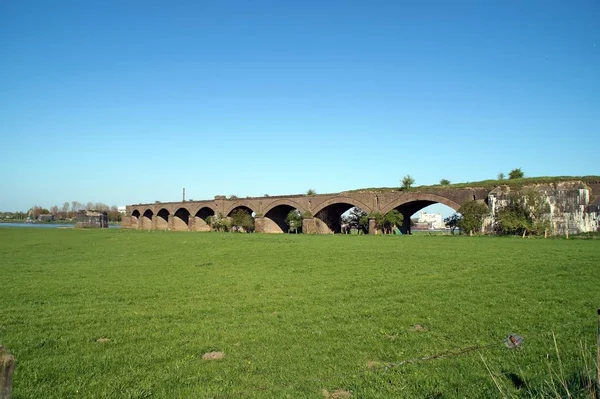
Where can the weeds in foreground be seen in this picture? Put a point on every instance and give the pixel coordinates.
(578, 383)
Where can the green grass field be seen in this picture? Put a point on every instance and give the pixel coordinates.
(129, 314)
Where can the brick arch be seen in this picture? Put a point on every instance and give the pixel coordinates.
(194, 210)
(146, 219)
(181, 219)
(279, 202)
(199, 215)
(162, 218)
(140, 210)
(342, 200)
(243, 203)
(413, 197)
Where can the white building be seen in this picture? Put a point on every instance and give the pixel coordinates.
(434, 220)
(121, 209)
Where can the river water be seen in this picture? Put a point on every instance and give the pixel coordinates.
(49, 225)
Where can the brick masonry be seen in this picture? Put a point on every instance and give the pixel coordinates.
(271, 211)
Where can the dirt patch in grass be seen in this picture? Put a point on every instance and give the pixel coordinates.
(213, 355)
(337, 394)
(372, 364)
(103, 340)
(418, 328)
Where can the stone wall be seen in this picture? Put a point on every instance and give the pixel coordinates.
(570, 204)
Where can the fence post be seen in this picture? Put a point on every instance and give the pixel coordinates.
(7, 365)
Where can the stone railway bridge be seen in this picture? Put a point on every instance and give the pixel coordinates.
(270, 212)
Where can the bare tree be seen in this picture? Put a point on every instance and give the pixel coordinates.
(75, 206)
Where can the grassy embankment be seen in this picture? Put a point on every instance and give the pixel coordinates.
(490, 184)
(114, 313)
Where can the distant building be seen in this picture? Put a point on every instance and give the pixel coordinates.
(433, 220)
(92, 219)
(45, 218)
(122, 210)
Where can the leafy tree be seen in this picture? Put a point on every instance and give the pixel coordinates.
(513, 219)
(218, 222)
(311, 192)
(500, 176)
(444, 182)
(233, 197)
(525, 212)
(472, 213)
(242, 219)
(294, 220)
(391, 219)
(407, 182)
(358, 219)
(113, 214)
(453, 221)
(516, 174)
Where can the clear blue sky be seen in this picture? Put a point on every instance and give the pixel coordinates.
(130, 101)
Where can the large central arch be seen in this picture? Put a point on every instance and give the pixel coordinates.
(413, 203)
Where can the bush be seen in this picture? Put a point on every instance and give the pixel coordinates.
(472, 213)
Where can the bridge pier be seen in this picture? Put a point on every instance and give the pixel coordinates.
(259, 224)
(406, 229)
(372, 226)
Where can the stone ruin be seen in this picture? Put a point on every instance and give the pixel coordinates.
(92, 220)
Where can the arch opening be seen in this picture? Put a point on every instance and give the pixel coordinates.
(424, 215)
(181, 219)
(147, 219)
(332, 219)
(134, 219)
(242, 219)
(200, 219)
(355, 221)
(162, 219)
(240, 207)
(275, 219)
